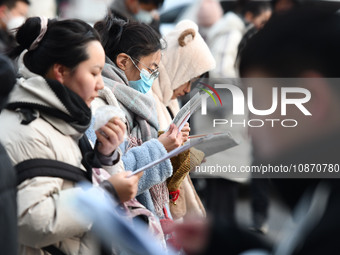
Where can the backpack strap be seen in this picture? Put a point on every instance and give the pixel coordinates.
(51, 168)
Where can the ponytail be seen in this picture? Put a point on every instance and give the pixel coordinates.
(135, 39)
(64, 42)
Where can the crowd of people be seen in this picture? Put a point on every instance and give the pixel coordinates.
(58, 74)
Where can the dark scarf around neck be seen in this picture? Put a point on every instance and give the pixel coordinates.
(78, 116)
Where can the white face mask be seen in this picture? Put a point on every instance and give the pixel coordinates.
(144, 17)
(15, 23)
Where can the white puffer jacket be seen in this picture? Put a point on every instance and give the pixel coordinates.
(43, 215)
(223, 39)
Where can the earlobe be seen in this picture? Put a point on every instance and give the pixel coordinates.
(59, 72)
(122, 61)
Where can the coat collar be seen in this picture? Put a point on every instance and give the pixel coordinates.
(58, 105)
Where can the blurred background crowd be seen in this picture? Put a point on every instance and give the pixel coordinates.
(182, 41)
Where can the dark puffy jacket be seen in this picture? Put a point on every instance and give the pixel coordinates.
(8, 186)
(8, 205)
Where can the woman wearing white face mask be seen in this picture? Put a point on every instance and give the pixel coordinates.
(147, 76)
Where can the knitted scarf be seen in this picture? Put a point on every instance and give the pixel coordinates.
(140, 109)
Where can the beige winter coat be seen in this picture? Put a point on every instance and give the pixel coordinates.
(43, 215)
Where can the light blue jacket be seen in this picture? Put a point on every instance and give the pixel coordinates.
(138, 157)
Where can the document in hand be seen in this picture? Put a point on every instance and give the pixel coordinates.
(188, 109)
(110, 224)
(216, 143)
(211, 143)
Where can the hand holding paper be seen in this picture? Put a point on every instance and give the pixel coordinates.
(110, 128)
(110, 136)
(171, 139)
(185, 132)
(126, 188)
(209, 145)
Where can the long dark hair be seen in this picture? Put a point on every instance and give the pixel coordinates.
(64, 43)
(135, 39)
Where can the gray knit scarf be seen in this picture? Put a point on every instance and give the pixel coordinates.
(140, 109)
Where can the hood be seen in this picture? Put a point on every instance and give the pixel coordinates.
(187, 56)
